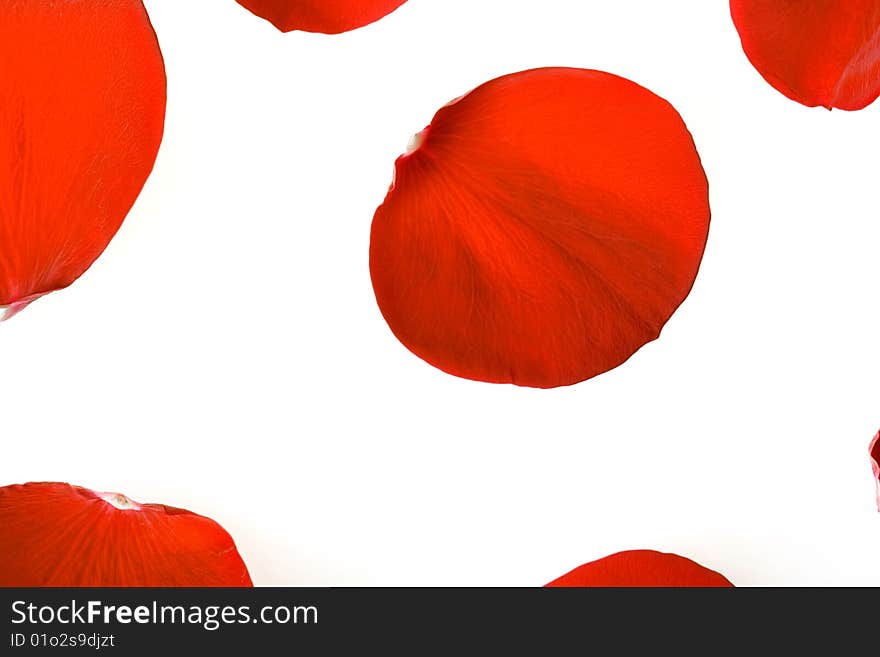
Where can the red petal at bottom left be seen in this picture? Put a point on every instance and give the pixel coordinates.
(56, 534)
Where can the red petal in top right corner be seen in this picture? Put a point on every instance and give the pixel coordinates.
(817, 52)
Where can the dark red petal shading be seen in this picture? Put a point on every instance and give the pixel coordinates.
(874, 451)
(82, 110)
(56, 534)
(817, 52)
(542, 229)
(642, 568)
(325, 16)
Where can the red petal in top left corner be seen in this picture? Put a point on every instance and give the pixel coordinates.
(82, 111)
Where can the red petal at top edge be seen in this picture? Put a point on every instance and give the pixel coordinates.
(82, 111)
(542, 228)
(324, 16)
(642, 568)
(818, 53)
(56, 534)
(874, 451)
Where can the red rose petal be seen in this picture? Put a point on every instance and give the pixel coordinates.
(645, 568)
(82, 110)
(542, 229)
(874, 451)
(326, 16)
(61, 535)
(815, 52)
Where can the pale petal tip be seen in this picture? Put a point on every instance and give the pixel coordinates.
(119, 501)
(10, 311)
(416, 141)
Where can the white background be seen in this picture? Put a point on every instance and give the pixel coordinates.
(226, 353)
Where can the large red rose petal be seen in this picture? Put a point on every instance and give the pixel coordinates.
(817, 52)
(56, 534)
(874, 451)
(541, 229)
(82, 110)
(325, 16)
(645, 568)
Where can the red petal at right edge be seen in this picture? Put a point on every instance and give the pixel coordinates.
(82, 111)
(874, 451)
(542, 229)
(815, 52)
(324, 16)
(55, 534)
(642, 568)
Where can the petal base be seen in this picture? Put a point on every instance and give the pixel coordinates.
(11, 310)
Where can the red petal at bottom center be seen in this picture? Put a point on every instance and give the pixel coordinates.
(645, 568)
